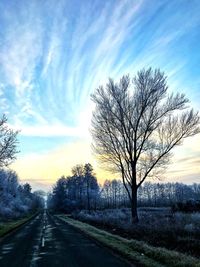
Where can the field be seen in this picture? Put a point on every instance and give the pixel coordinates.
(158, 227)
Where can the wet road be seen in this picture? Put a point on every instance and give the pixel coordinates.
(46, 241)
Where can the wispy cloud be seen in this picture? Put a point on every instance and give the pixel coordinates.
(186, 161)
(53, 54)
(54, 130)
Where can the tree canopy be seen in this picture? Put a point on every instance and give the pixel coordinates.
(8, 143)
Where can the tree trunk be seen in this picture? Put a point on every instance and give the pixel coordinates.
(88, 198)
(134, 214)
(88, 203)
(134, 196)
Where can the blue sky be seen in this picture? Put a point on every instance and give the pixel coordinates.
(53, 54)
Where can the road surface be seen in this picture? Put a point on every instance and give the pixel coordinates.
(46, 241)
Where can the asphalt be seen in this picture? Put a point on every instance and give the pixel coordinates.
(46, 241)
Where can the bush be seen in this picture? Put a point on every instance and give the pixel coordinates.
(188, 206)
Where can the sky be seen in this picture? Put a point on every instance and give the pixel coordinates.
(54, 54)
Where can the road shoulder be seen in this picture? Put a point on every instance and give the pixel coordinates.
(11, 227)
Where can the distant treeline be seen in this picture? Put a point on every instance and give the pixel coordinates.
(81, 191)
(17, 200)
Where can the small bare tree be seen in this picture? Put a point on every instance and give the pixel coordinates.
(135, 126)
(8, 143)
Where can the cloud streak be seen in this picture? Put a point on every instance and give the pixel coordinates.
(53, 54)
(54, 131)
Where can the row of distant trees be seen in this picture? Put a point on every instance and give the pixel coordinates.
(16, 199)
(114, 195)
(78, 191)
(81, 191)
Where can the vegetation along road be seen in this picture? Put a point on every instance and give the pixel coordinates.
(47, 241)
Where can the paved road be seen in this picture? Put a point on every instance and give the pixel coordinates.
(46, 241)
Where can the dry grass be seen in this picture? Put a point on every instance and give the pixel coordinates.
(158, 227)
(6, 227)
(135, 251)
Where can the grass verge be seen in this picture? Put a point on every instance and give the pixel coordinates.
(7, 227)
(135, 251)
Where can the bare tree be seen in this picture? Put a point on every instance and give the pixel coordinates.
(135, 126)
(8, 143)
